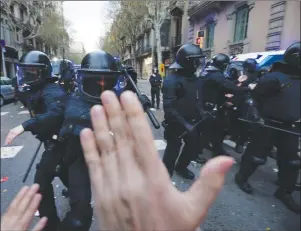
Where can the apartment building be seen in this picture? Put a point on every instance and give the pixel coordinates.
(244, 26)
(18, 20)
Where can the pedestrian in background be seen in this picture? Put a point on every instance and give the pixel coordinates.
(155, 81)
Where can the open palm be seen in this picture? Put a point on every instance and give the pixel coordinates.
(131, 185)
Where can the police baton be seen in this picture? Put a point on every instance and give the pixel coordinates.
(197, 124)
(271, 127)
(150, 114)
(31, 162)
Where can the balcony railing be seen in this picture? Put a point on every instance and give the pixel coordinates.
(237, 48)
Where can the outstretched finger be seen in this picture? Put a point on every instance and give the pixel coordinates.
(147, 155)
(118, 124)
(30, 210)
(41, 224)
(28, 197)
(14, 205)
(92, 156)
(205, 190)
(104, 139)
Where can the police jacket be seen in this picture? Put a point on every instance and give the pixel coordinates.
(155, 81)
(180, 97)
(215, 86)
(76, 116)
(278, 96)
(48, 105)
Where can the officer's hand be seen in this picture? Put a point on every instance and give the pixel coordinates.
(252, 86)
(21, 210)
(13, 133)
(131, 185)
(242, 78)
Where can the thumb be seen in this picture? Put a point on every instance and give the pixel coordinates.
(205, 190)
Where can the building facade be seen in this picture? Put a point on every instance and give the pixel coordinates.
(244, 26)
(18, 21)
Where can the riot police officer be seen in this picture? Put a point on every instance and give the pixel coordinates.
(45, 100)
(67, 75)
(239, 128)
(214, 88)
(98, 72)
(181, 111)
(156, 81)
(278, 95)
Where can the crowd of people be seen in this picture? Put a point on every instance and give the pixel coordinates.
(93, 140)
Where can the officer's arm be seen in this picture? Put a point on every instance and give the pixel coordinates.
(169, 100)
(228, 86)
(41, 122)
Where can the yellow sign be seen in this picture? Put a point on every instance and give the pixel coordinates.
(162, 69)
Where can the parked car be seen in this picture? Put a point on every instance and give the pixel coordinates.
(7, 90)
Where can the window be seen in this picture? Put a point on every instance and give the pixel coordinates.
(241, 24)
(210, 35)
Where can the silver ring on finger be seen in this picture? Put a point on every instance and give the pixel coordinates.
(111, 133)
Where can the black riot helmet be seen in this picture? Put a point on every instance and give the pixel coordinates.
(98, 72)
(189, 57)
(249, 66)
(292, 55)
(220, 61)
(34, 68)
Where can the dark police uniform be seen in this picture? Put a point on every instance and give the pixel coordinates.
(45, 101)
(155, 80)
(180, 95)
(213, 91)
(98, 73)
(76, 118)
(181, 110)
(278, 96)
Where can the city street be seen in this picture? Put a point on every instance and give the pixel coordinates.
(233, 209)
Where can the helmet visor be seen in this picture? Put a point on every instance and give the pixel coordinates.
(29, 74)
(93, 84)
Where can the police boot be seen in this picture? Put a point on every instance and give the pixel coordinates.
(242, 183)
(287, 199)
(185, 173)
(153, 104)
(200, 160)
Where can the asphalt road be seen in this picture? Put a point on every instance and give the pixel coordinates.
(233, 209)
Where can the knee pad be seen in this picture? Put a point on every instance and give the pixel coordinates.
(295, 164)
(79, 218)
(258, 160)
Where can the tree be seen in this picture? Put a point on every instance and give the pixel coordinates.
(158, 11)
(128, 22)
(42, 20)
(76, 58)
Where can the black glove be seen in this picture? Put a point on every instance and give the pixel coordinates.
(145, 101)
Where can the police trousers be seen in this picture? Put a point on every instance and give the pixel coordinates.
(75, 177)
(261, 144)
(172, 152)
(213, 130)
(155, 95)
